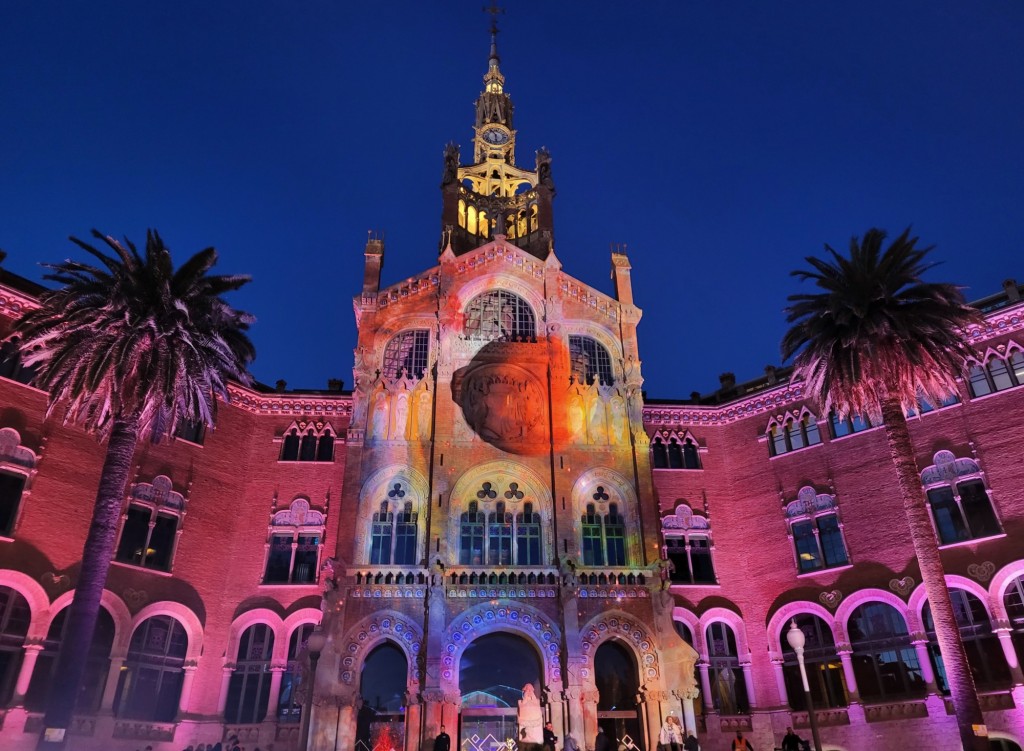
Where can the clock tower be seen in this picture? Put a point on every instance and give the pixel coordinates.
(492, 195)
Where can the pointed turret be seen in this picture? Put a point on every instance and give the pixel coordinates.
(494, 195)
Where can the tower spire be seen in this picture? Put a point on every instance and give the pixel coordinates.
(493, 60)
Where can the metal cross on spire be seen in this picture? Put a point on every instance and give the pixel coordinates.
(495, 11)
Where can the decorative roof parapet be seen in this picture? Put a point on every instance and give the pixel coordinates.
(656, 415)
(289, 404)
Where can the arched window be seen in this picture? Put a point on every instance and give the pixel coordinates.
(407, 352)
(816, 531)
(998, 374)
(289, 708)
(15, 616)
(847, 425)
(615, 536)
(593, 538)
(249, 688)
(471, 219)
(885, 662)
(149, 535)
(1013, 601)
(11, 365)
(97, 665)
(462, 213)
(959, 502)
(308, 442)
(691, 457)
(293, 549)
(728, 685)
(659, 453)
(687, 539)
(502, 536)
(150, 684)
(675, 454)
(984, 653)
(528, 537)
(471, 536)
(485, 226)
(590, 360)
(499, 536)
(500, 315)
(793, 434)
(393, 536)
(824, 670)
(17, 462)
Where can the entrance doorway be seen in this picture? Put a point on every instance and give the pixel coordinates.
(492, 674)
(617, 679)
(380, 725)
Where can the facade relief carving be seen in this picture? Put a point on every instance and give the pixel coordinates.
(502, 404)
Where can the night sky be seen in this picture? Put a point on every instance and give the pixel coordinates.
(723, 142)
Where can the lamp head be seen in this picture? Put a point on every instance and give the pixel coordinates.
(317, 641)
(795, 636)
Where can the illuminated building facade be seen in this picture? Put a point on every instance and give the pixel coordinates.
(495, 491)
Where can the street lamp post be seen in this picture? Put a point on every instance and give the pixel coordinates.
(795, 637)
(315, 644)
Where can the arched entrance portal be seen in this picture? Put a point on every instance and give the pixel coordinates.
(492, 673)
(617, 682)
(380, 725)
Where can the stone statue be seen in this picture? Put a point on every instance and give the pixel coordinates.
(530, 718)
(451, 164)
(380, 417)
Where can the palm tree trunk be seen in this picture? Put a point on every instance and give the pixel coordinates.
(966, 704)
(96, 557)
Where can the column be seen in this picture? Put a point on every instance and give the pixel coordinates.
(689, 716)
(431, 715)
(28, 665)
(780, 682)
(110, 688)
(921, 647)
(846, 657)
(186, 687)
(412, 722)
(652, 709)
(574, 710)
(748, 681)
(276, 675)
(1006, 642)
(348, 711)
(705, 684)
(590, 699)
(225, 682)
(450, 712)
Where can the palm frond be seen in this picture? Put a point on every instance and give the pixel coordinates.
(876, 328)
(133, 337)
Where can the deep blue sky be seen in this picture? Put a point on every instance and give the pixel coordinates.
(722, 141)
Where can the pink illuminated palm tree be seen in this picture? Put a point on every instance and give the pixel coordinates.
(874, 341)
(125, 348)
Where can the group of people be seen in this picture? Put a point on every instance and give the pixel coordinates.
(790, 742)
(673, 738)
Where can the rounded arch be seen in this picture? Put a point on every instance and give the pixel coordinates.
(1000, 583)
(514, 617)
(35, 595)
(114, 605)
(288, 626)
(376, 489)
(732, 620)
(370, 632)
(860, 597)
(692, 622)
(501, 476)
(502, 281)
(588, 482)
(181, 613)
(607, 339)
(919, 597)
(780, 620)
(251, 618)
(627, 631)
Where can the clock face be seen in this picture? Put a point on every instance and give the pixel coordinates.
(495, 136)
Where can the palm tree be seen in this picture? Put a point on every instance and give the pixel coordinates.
(873, 342)
(125, 348)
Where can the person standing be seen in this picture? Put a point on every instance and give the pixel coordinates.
(442, 742)
(602, 742)
(791, 741)
(691, 744)
(740, 743)
(550, 739)
(670, 738)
